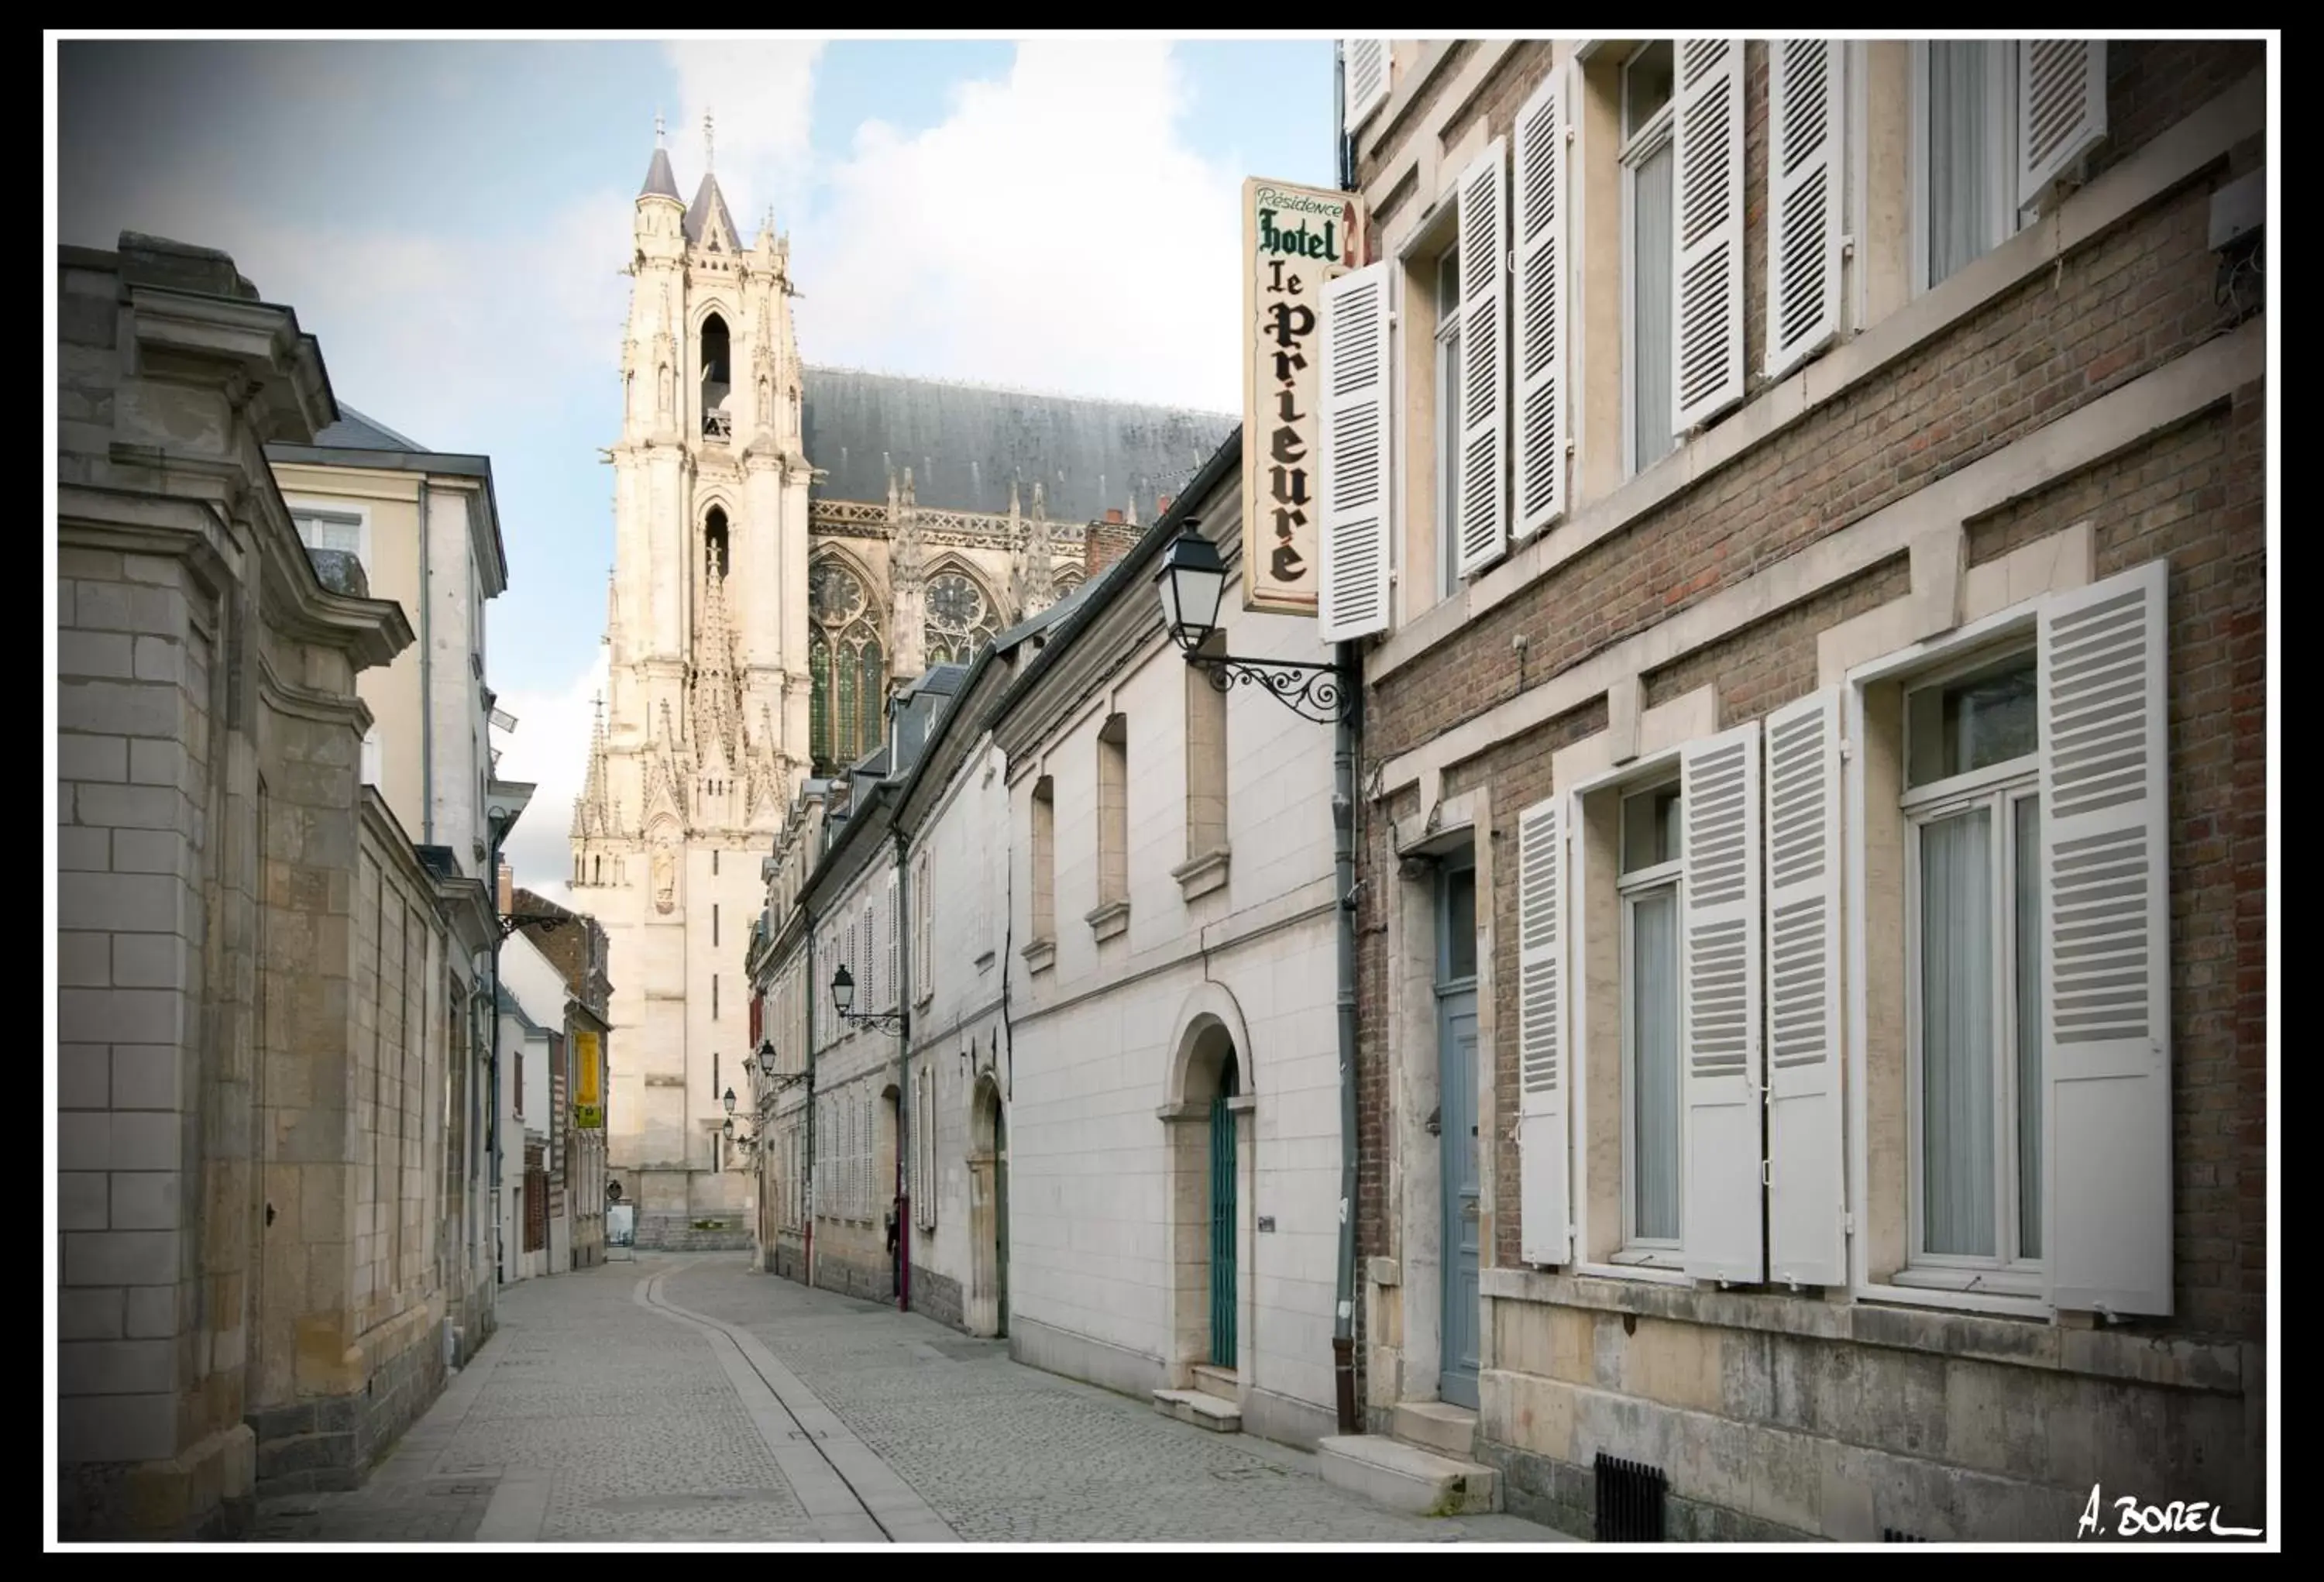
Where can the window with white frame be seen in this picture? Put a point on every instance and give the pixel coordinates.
(333, 530)
(1649, 252)
(1448, 422)
(1973, 809)
(1965, 132)
(1994, 124)
(1651, 1109)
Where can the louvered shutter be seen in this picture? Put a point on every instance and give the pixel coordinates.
(1707, 142)
(1719, 980)
(1544, 1216)
(2106, 957)
(1354, 586)
(1363, 64)
(1807, 117)
(1483, 462)
(2061, 110)
(1805, 1196)
(1542, 250)
(895, 979)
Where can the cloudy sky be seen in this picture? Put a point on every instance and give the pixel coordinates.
(450, 219)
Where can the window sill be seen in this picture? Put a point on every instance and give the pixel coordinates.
(1658, 1273)
(1202, 874)
(1995, 1282)
(1040, 955)
(1108, 920)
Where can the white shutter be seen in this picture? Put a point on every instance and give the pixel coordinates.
(1807, 179)
(1363, 64)
(2061, 110)
(895, 981)
(1483, 463)
(1707, 315)
(1718, 793)
(1354, 582)
(1544, 1216)
(1805, 1197)
(2106, 959)
(1542, 250)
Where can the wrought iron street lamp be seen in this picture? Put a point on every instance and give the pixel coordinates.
(1192, 582)
(843, 997)
(729, 1101)
(767, 1059)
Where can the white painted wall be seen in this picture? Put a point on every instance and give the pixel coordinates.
(1095, 1035)
(957, 980)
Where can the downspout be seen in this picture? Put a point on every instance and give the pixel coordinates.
(427, 704)
(493, 1075)
(903, 1073)
(806, 1253)
(1343, 875)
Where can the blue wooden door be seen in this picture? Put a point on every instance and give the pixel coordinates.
(1457, 1076)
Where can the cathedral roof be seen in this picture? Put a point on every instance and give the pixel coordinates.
(355, 432)
(662, 181)
(966, 444)
(707, 199)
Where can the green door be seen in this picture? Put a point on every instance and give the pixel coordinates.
(1222, 1224)
(1000, 1212)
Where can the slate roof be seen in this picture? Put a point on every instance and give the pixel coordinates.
(660, 179)
(965, 443)
(707, 198)
(355, 432)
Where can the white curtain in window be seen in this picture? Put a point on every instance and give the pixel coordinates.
(1961, 129)
(1654, 255)
(2027, 815)
(1956, 1095)
(1654, 1013)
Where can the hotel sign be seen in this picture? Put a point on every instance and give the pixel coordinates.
(1294, 239)
(588, 1104)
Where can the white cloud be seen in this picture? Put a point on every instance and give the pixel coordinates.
(760, 96)
(549, 747)
(1054, 232)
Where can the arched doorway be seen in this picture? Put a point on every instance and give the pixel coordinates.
(987, 1308)
(883, 1183)
(1210, 1125)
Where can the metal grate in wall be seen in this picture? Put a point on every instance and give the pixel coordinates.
(1891, 1535)
(1629, 1501)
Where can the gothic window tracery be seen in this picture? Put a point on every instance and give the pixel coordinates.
(962, 618)
(847, 665)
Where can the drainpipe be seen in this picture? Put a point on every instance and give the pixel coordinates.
(426, 699)
(806, 1253)
(903, 1074)
(493, 1075)
(1343, 866)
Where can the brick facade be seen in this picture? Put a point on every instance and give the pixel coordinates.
(2121, 304)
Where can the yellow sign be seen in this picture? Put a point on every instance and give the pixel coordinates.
(589, 1106)
(1294, 239)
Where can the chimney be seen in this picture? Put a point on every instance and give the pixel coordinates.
(507, 889)
(1161, 506)
(1106, 543)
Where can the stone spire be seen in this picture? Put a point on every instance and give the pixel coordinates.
(1035, 582)
(716, 705)
(593, 812)
(662, 181)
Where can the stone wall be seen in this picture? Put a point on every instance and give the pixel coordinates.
(197, 738)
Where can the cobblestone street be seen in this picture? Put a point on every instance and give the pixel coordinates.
(688, 1399)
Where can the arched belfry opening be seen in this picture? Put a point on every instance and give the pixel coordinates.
(715, 558)
(717, 377)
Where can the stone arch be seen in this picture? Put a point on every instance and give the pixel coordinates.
(984, 1309)
(1209, 1091)
(1208, 1010)
(951, 636)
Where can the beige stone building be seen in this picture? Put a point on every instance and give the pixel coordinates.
(266, 1159)
(1813, 980)
(789, 543)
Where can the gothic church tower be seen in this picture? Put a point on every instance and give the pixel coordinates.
(705, 738)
